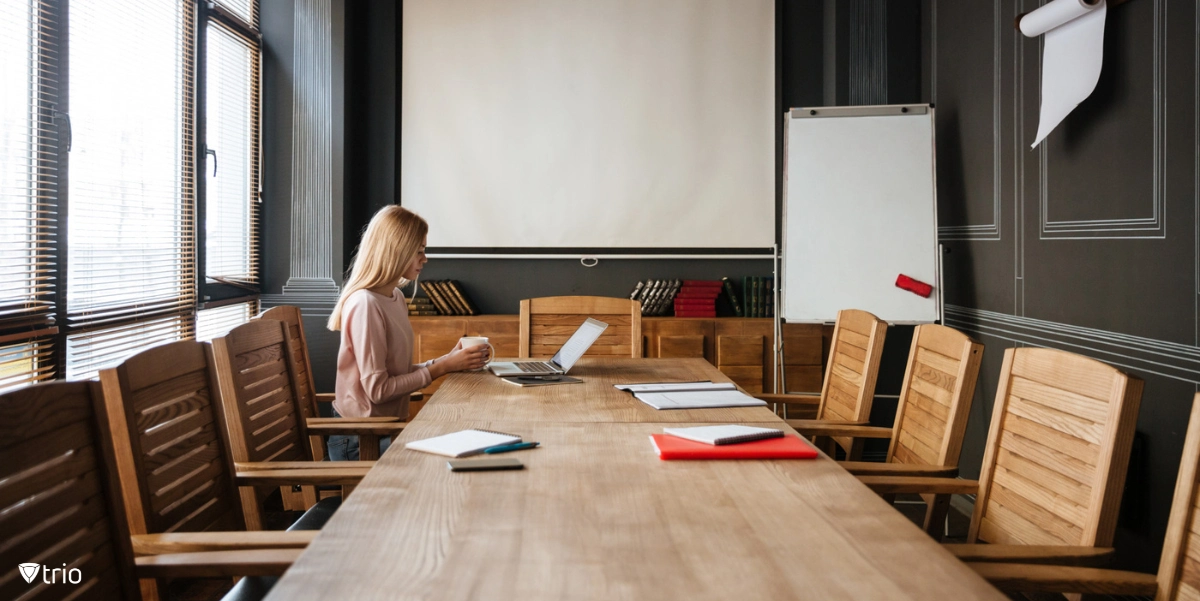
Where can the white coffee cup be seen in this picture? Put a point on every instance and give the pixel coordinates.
(470, 341)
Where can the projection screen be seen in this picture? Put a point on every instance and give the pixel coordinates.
(590, 123)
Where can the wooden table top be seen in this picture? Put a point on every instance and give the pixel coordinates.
(596, 515)
(480, 395)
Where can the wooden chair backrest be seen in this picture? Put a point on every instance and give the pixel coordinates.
(935, 398)
(59, 497)
(849, 387)
(258, 387)
(546, 323)
(1179, 569)
(1057, 450)
(306, 388)
(164, 413)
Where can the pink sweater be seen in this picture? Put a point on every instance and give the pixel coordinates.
(375, 372)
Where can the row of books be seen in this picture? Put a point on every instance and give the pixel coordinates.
(657, 296)
(442, 297)
(758, 295)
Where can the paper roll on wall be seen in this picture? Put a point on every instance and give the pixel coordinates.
(1074, 52)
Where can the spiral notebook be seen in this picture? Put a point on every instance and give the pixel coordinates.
(462, 443)
(724, 434)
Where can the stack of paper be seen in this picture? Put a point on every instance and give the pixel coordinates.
(724, 434)
(690, 395)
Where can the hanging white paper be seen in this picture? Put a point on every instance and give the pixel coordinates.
(1074, 52)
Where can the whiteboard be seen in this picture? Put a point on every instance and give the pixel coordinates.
(860, 208)
(590, 124)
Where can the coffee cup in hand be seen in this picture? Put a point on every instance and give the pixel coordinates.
(471, 341)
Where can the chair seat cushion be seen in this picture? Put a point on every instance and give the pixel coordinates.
(315, 517)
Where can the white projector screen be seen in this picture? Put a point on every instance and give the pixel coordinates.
(590, 123)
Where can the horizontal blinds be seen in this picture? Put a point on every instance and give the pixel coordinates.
(212, 323)
(26, 362)
(246, 10)
(89, 352)
(131, 185)
(29, 55)
(232, 133)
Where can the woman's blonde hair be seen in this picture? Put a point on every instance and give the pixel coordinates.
(388, 247)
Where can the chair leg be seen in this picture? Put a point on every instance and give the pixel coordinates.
(936, 509)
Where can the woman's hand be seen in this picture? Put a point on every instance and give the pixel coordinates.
(459, 359)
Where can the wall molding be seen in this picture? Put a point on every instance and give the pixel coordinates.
(1155, 225)
(1135, 353)
(988, 231)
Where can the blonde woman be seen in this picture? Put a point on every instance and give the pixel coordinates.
(375, 370)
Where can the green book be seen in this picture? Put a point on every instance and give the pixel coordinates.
(727, 286)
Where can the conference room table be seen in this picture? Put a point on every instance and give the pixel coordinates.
(596, 514)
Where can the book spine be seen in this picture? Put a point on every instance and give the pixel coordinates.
(699, 302)
(637, 290)
(646, 295)
(685, 293)
(435, 293)
(463, 298)
(448, 292)
(756, 285)
(670, 299)
(731, 294)
(770, 300)
(429, 296)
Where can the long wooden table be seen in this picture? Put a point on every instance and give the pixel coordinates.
(596, 515)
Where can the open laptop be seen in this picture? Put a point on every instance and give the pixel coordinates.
(571, 351)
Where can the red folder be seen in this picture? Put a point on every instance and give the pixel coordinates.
(788, 447)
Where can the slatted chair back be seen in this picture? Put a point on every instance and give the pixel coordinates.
(1179, 568)
(306, 388)
(166, 423)
(1057, 451)
(59, 496)
(257, 378)
(546, 323)
(849, 387)
(935, 398)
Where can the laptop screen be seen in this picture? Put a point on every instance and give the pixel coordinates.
(578, 343)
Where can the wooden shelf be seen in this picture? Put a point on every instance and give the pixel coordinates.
(738, 346)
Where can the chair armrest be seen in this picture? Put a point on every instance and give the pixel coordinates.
(1066, 579)
(196, 542)
(793, 398)
(867, 468)
(890, 485)
(258, 466)
(351, 420)
(315, 477)
(1062, 555)
(325, 397)
(813, 427)
(217, 564)
(353, 428)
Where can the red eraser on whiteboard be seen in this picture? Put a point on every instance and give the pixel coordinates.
(914, 286)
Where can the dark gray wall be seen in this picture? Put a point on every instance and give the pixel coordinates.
(1087, 243)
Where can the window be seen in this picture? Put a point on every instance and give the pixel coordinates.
(102, 247)
(212, 323)
(29, 176)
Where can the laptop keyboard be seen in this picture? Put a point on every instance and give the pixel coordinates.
(535, 367)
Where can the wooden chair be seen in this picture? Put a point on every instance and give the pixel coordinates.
(1177, 577)
(1054, 466)
(168, 424)
(547, 322)
(849, 387)
(309, 398)
(61, 502)
(931, 416)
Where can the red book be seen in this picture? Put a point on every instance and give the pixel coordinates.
(696, 302)
(696, 294)
(787, 447)
(702, 283)
(685, 313)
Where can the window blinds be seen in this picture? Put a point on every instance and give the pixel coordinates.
(231, 132)
(215, 322)
(29, 169)
(130, 250)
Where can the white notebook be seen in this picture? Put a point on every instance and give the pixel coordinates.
(462, 443)
(724, 434)
(698, 399)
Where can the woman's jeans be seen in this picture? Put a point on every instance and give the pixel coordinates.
(342, 447)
